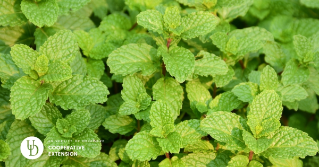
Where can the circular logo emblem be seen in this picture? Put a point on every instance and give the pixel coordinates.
(31, 147)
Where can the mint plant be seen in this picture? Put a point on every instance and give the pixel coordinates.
(168, 83)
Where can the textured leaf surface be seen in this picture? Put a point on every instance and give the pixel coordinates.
(180, 63)
(9, 72)
(172, 17)
(4, 150)
(198, 159)
(42, 34)
(71, 5)
(198, 94)
(143, 147)
(198, 23)
(54, 138)
(190, 131)
(172, 143)
(200, 146)
(132, 87)
(294, 74)
(91, 148)
(97, 114)
(45, 120)
(265, 109)
(289, 142)
(41, 65)
(246, 92)
(79, 119)
(46, 160)
(221, 160)
(224, 127)
(226, 101)
(169, 90)
(294, 92)
(61, 46)
(133, 58)
(162, 119)
(151, 20)
(28, 97)
(117, 148)
(274, 54)
(281, 162)
(57, 71)
(40, 13)
(119, 124)
(210, 64)
(78, 65)
(268, 79)
(10, 13)
(303, 46)
(256, 145)
(24, 57)
(310, 3)
(78, 92)
(222, 80)
(238, 161)
(95, 68)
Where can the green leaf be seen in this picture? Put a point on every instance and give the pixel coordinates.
(115, 21)
(57, 71)
(46, 160)
(78, 92)
(199, 146)
(143, 147)
(238, 161)
(268, 79)
(42, 34)
(45, 120)
(222, 159)
(198, 23)
(119, 124)
(254, 77)
(28, 97)
(303, 47)
(230, 9)
(91, 147)
(220, 39)
(76, 21)
(66, 6)
(256, 145)
(313, 80)
(169, 90)
(282, 162)
(41, 65)
(95, 68)
(138, 163)
(61, 46)
(97, 114)
(78, 65)
(226, 101)
(19, 130)
(310, 3)
(310, 104)
(292, 93)
(190, 131)
(40, 13)
(265, 112)
(172, 143)
(198, 95)
(254, 163)
(24, 57)
(224, 127)
(79, 119)
(209, 64)
(113, 103)
(10, 13)
(198, 159)
(9, 72)
(222, 80)
(180, 63)
(151, 20)
(4, 150)
(289, 142)
(294, 74)
(54, 138)
(65, 128)
(246, 91)
(162, 119)
(274, 54)
(117, 148)
(132, 87)
(133, 58)
(172, 17)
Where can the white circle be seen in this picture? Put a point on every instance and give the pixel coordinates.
(31, 147)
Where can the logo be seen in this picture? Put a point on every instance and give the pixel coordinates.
(31, 147)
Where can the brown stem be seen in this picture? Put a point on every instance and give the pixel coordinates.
(163, 69)
(251, 155)
(169, 40)
(167, 156)
(242, 64)
(284, 120)
(217, 147)
(134, 25)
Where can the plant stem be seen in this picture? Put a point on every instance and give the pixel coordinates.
(242, 64)
(163, 69)
(251, 155)
(134, 25)
(217, 147)
(169, 40)
(167, 156)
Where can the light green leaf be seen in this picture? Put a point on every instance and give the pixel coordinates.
(95, 68)
(58, 71)
(222, 80)
(19, 130)
(45, 120)
(209, 64)
(310, 104)
(255, 163)
(97, 114)
(265, 109)
(310, 3)
(46, 160)
(162, 119)
(138, 163)
(76, 21)
(289, 142)
(65, 128)
(200, 146)
(41, 65)
(117, 148)
(172, 143)
(230, 9)
(28, 97)
(80, 119)
(91, 147)
(119, 124)
(129, 107)
(294, 74)
(78, 92)
(222, 159)
(283, 162)
(113, 103)
(198, 95)
(246, 91)
(42, 34)
(220, 39)
(199, 4)
(190, 131)
(40, 13)
(151, 20)
(292, 93)
(198, 23)
(54, 138)
(172, 18)
(226, 101)
(169, 90)
(274, 54)
(268, 79)
(143, 147)
(24, 57)
(313, 80)
(115, 21)
(198, 159)
(180, 63)
(61, 46)
(238, 161)
(133, 58)
(132, 87)
(10, 13)
(78, 65)
(254, 77)
(4, 150)
(224, 127)
(303, 47)
(66, 6)
(256, 145)
(9, 72)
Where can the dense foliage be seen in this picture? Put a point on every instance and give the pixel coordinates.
(168, 83)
